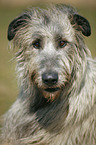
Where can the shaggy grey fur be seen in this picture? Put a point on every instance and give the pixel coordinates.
(56, 77)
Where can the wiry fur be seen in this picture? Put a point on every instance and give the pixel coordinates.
(64, 117)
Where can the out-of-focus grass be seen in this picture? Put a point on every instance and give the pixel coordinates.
(8, 83)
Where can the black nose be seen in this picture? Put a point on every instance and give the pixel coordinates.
(50, 78)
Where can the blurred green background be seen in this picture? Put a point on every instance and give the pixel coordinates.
(9, 9)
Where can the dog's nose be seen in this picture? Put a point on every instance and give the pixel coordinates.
(50, 78)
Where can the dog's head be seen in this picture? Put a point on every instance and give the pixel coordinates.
(51, 48)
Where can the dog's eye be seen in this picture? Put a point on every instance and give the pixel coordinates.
(62, 43)
(37, 44)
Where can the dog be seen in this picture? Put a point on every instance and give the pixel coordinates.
(56, 77)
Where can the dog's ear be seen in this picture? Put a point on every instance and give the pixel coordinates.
(82, 24)
(16, 24)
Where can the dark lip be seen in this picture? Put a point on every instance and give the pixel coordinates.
(52, 89)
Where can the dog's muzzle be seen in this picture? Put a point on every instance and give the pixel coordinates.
(50, 82)
(50, 78)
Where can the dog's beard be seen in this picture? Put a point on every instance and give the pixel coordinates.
(51, 94)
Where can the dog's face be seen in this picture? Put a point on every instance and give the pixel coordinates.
(49, 46)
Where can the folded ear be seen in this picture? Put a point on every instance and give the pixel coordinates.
(16, 24)
(82, 24)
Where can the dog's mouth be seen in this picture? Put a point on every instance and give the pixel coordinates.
(52, 90)
(51, 94)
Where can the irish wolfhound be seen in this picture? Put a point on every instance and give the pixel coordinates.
(57, 80)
